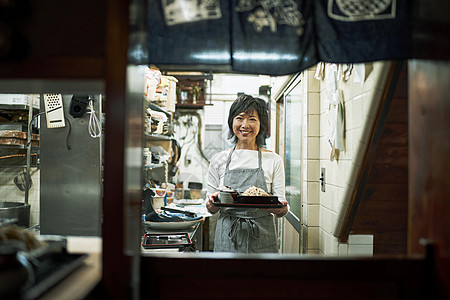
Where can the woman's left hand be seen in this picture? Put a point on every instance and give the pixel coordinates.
(279, 212)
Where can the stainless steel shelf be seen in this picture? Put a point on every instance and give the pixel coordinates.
(154, 166)
(157, 137)
(16, 107)
(18, 166)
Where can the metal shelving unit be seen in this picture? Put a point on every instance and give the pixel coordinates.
(28, 146)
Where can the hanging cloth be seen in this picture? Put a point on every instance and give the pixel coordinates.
(272, 37)
(336, 113)
(175, 41)
(354, 31)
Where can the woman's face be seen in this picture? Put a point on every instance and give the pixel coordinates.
(246, 127)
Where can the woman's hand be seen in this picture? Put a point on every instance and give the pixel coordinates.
(209, 204)
(279, 212)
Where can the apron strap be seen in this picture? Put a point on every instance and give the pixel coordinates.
(229, 159)
(231, 153)
(252, 230)
(259, 158)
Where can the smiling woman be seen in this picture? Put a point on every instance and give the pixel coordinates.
(247, 129)
(247, 165)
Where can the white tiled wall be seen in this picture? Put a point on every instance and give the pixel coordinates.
(9, 192)
(311, 162)
(361, 102)
(357, 245)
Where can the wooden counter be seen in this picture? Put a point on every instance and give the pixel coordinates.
(84, 279)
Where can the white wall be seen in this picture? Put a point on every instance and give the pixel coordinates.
(322, 211)
(311, 162)
(361, 102)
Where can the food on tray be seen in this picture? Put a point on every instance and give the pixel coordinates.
(14, 232)
(255, 191)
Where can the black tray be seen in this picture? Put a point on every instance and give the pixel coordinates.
(252, 202)
(166, 240)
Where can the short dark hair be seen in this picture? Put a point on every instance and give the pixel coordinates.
(247, 104)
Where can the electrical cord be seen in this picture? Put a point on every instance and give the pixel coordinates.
(95, 128)
(188, 143)
(68, 133)
(29, 125)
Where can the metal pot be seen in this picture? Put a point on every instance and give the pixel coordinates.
(16, 210)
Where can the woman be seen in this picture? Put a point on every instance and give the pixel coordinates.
(246, 165)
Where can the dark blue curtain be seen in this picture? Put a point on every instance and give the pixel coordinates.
(283, 37)
(203, 42)
(374, 30)
(278, 48)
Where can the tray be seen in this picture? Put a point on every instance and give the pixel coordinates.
(166, 240)
(171, 225)
(252, 202)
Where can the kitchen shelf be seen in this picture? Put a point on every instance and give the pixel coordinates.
(13, 146)
(18, 166)
(157, 137)
(16, 107)
(154, 166)
(158, 108)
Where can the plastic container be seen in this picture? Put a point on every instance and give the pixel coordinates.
(195, 194)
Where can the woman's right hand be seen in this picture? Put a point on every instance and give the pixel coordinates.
(209, 204)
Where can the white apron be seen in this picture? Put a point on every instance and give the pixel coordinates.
(245, 230)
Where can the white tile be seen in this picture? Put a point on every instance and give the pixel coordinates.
(353, 174)
(349, 144)
(377, 77)
(313, 237)
(349, 115)
(321, 240)
(326, 219)
(343, 249)
(366, 130)
(313, 193)
(313, 170)
(360, 239)
(313, 214)
(344, 202)
(338, 193)
(324, 149)
(360, 250)
(372, 100)
(351, 90)
(313, 84)
(313, 148)
(313, 126)
(337, 228)
(342, 171)
(359, 153)
(330, 245)
(357, 113)
(313, 103)
(326, 197)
